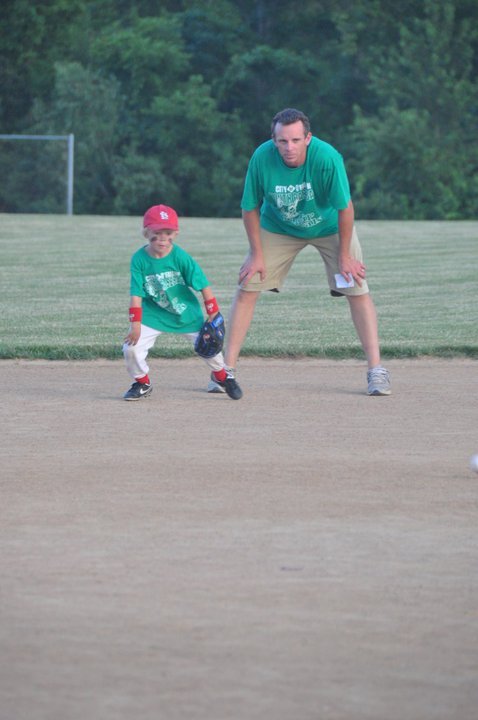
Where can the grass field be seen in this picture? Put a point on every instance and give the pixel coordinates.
(65, 283)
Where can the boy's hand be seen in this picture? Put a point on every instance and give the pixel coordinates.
(133, 336)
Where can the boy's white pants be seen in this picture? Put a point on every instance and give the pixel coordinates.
(135, 355)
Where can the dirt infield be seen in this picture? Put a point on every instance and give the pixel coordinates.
(306, 553)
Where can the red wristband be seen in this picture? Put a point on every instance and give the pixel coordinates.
(211, 306)
(135, 314)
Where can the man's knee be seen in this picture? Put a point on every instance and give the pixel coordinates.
(247, 297)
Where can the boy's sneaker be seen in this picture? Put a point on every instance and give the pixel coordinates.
(378, 379)
(216, 386)
(138, 390)
(232, 388)
(229, 385)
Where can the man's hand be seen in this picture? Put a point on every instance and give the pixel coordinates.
(351, 268)
(252, 265)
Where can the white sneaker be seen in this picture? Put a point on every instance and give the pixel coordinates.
(215, 386)
(378, 379)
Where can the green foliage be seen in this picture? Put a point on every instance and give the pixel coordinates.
(416, 155)
(91, 106)
(212, 33)
(251, 81)
(167, 100)
(401, 171)
(210, 165)
(32, 37)
(138, 181)
(146, 57)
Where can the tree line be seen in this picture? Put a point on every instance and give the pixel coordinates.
(167, 100)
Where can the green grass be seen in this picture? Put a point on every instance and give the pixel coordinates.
(65, 285)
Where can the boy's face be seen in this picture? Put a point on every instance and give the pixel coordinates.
(161, 242)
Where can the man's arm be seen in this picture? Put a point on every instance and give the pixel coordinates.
(254, 262)
(348, 266)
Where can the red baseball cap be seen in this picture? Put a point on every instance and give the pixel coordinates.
(160, 217)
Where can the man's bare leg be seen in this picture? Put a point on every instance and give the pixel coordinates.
(364, 317)
(240, 318)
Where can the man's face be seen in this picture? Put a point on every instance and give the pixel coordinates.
(291, 142)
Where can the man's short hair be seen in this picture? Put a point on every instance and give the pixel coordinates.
(288, 117)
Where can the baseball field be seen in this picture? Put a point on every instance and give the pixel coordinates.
(307, 552)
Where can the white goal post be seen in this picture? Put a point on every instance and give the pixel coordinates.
(70, 139)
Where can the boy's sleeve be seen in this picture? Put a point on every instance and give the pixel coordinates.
(137, 280)
(192, 272)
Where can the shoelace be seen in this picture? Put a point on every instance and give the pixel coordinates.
(378, 373)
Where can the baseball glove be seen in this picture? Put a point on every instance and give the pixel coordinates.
(210, 340)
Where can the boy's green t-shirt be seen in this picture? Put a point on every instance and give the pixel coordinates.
(165, 285)
(303, 201)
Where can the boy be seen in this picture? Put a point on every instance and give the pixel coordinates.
(162, 275)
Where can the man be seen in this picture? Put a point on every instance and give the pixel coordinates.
(296, 193)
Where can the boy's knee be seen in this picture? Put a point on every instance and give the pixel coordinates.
(128, 350)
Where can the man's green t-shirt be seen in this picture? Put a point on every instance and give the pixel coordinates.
(302, 201)
(165, 285)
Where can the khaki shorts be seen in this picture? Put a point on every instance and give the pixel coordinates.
(280, 252)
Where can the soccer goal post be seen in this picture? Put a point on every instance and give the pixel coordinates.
(70, 139)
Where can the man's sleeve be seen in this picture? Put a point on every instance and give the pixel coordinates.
(253, 193)
(339, 188)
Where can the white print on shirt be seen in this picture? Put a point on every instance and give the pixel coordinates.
(287, 197)
(156, 285)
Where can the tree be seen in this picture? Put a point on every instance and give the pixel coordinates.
(201, 148)
(290, 57)
(416, 155)
(170, 97)
(213, 32)
(33, 35)
(146, 57)
(90, 106)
